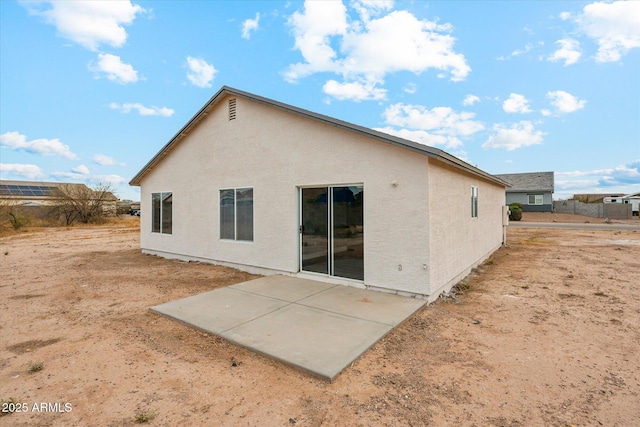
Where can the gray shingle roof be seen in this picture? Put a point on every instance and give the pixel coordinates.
(531, 181)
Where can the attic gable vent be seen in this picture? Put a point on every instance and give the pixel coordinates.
(232, 109)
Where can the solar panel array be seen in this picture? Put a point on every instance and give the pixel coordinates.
(28, 190)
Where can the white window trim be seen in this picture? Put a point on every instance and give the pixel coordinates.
(235, 213)
(161, 193)
(536, 195)
(474, 202)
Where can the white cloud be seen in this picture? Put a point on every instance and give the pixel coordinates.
(365, 50)
(614, 26)
(115, 70)
(355, 91)
(622, 178)
(24, 170)
(103, 160)
(312, 31)
(565, 102)
(78, 174)
(410, 88)
(527, 48)
(569, 52)
(200, 73)
(111, 179)
(45, 147)
(420, 117)
(518, 135)
(142, 110)
(88, 23)
(423, 137)
(250, 25)
(516, 104)
(75, 176)
(565, 15)
(519, 52)
(470, 100)
(399, 41)
(436, 126)
(621, 174)
(367, 8)
(81, 169)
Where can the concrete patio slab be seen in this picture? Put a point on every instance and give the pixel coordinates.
(286, 288)
(364, 304)
(314, 326)
(219, 310)
(318, 341)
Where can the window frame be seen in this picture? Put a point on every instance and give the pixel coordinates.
(474, 201)
(535, 200)
(243, 231)
(162, 210)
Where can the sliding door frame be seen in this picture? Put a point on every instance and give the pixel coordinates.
(331, 238)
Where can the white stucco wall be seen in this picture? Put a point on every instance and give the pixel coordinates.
(275, 152)
(458, 241)
(419, 237)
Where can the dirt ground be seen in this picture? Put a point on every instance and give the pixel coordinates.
(570, 218)
(547, 333)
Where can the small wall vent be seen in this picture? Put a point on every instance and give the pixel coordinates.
(232, 109)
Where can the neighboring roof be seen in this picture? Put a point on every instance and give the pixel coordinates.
(531, 181)
(404, 143)
(27, 189)
(631, 196)
(37, 189)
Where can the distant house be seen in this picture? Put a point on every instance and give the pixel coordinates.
(37, 193)
(632, 199)
(267, 187)
(128, 206)
(594, 197)
(534, 190)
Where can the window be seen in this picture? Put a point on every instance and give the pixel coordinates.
(474, 202)
(161, 207)
(236, 214)
(535, 199)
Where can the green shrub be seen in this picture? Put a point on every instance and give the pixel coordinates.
(145, 417)
(515, 212)
(36, 367)
(17, 219)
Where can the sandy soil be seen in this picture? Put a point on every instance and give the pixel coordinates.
(547, 333)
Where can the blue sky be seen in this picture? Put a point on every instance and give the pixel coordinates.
(90, 91)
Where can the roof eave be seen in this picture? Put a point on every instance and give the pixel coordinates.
(529, 190)
(390, 139)
(135, 181)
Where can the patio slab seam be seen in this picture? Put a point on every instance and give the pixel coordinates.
(342, 314)
(300, 302)
(265, 295)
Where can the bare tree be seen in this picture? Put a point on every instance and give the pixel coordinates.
(10, 215)
(81, 203)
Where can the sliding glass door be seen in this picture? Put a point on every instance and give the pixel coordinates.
(332, 231)
(315, 230)
(348, 231)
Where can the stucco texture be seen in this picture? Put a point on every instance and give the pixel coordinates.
(408, 200)
(459, 241)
